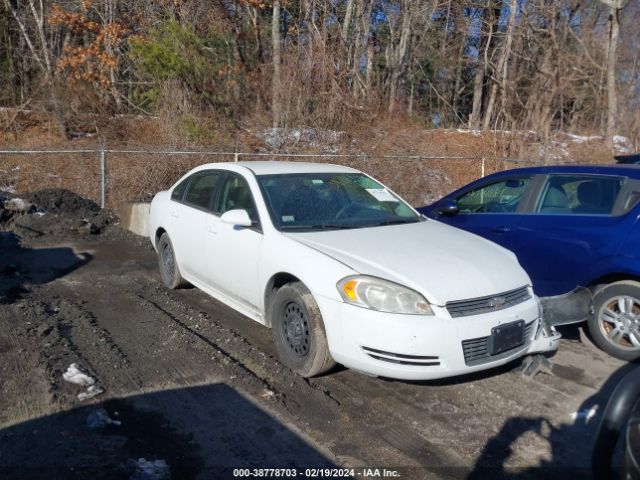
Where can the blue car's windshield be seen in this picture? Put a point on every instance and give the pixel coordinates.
(326, 201)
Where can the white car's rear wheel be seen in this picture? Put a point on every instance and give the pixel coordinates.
(169, 271)
(298, 331)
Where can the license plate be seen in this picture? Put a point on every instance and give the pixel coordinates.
(505, 337)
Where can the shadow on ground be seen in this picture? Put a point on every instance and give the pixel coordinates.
(21, 266)
(162, 426)
(570, 444)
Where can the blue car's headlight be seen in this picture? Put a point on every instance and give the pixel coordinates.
(382, 295)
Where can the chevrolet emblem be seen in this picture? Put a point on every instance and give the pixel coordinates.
(497, 303)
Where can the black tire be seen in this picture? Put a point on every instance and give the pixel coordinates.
(169, 271)
(615, 324)
(298, 331)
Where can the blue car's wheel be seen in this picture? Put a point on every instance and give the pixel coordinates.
(615, 326)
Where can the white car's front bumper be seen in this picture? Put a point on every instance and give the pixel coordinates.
(416, 347)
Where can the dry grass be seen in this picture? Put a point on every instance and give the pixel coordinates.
(139, 176)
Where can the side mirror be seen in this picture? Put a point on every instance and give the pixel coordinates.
(447, 207)
(237, 218)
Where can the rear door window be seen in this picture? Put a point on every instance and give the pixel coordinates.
(201, 189)
(178, 192)
(579, 194)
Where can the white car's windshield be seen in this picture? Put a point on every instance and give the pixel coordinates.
(325, 201)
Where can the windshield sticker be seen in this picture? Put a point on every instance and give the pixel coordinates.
(382, 194)
(288, 218)
(317, 181)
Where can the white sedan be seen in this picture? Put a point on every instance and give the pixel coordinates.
(343, 270)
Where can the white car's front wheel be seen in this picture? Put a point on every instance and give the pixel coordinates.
(298, 331)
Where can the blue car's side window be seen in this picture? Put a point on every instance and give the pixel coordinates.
(579, 194)
(499, 197)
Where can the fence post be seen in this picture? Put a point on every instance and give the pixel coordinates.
(482, 172)
(235, 157)
(103, 178)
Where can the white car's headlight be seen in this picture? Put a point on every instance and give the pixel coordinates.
(382, 295)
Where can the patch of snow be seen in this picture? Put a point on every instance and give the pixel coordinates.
(622, 144)
(79, 134)
(314, 137)
(78, 377)
(475, 133)
(151, 470)
(266, 393)
(8, 189)
(99, 418)
(17, 205)
(92, 391)
(583, 138)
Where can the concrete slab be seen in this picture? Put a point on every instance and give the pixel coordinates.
(134, 216)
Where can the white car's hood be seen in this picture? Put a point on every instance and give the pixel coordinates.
(441, 262)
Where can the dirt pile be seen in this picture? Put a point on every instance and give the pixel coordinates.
(54, 211)
(61, 201)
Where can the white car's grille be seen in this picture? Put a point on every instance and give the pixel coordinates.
(490, 303)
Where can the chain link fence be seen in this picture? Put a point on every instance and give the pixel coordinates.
(112, 177)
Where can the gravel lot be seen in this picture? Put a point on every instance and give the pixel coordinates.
(198, 386)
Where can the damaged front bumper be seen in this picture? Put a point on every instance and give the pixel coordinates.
(573, 307)
(547, 339)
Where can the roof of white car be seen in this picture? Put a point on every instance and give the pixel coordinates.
(273, 168)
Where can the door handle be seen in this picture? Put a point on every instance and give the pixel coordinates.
(501, 229)
(173, 213)
(211, 229)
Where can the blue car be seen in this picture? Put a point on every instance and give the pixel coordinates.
(576, 231)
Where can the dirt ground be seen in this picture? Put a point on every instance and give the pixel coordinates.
(197, 388)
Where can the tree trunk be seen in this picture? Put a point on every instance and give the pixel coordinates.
(398, 53)
(502, 67)
(347, 20)
(458, 80)
(612, 101)
(478, 81)
(357, 83)
(482, 66)
(275, 38)
(614, 28)
(369, 52)
(25, 34)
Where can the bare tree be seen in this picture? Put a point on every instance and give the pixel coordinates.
(612, 44)
(275, 45)
(500, 73)
(36, 14)
(396, 53)
(537, 64)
